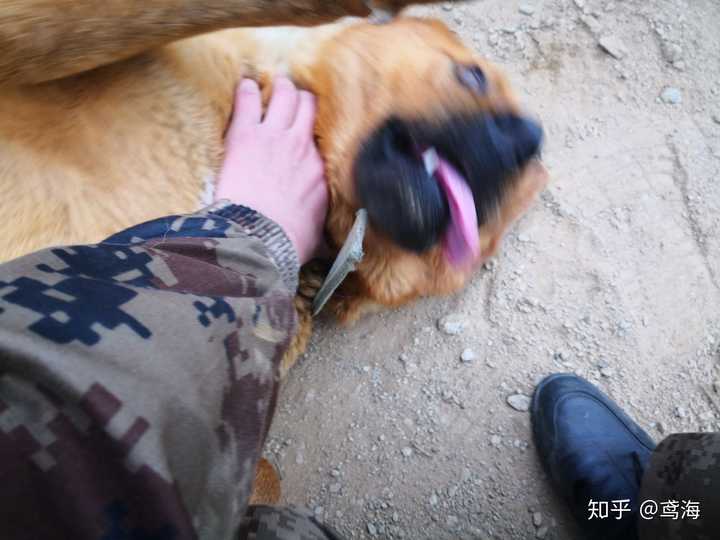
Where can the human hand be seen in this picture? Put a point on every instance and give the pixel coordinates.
(272, 164)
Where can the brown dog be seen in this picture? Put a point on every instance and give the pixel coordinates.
(103, 125)
(98, 149)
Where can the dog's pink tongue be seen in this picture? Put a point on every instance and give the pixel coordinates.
(462, 240)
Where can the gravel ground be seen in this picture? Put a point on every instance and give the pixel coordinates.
(413, 423)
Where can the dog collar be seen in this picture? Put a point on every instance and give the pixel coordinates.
(347, 260)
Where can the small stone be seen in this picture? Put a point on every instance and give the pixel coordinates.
(524, 238)
(519, 402)
(541, 532)
(671, 95)
(527, 9)
(468, 355)
(452, 521)
(537, 519)
(660, 427)
(607, 372)
(319, 510)
(716, 119)
(372, 529)
(433, 500)
(335, 488)
(612, 45)
(680, 412)
(334, 473)
(452, 325)
(495, 440)
(407, 452)
(672, 52)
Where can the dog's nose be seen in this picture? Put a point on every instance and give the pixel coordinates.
(525, 136)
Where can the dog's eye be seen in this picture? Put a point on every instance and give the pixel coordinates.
(472, 77)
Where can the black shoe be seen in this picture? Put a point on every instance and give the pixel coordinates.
(592, 451)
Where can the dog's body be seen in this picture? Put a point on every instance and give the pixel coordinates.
(89, 155)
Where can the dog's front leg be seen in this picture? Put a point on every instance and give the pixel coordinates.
(44, 40)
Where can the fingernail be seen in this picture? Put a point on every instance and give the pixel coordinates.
(248, 85)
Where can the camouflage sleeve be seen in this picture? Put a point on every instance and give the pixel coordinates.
(683, 479)
(138, 377)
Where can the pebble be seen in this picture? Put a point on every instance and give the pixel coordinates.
(527, 9)
(335, 488)
(407, 451)
(495, 440)
(680, 412)
(716, 119)
(372, 529)
(433, 500)
(612, 45)
(452, 324)
(541, 532)
(672, 52)
(660, 428)
(537, 519)
(519, 402)
(607, 372)
(468, 355)
(671, 95)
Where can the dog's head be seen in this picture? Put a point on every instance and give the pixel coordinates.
(429, 138)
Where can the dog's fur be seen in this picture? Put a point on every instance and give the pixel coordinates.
(107, 121)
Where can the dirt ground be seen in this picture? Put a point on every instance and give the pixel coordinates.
(386, 433)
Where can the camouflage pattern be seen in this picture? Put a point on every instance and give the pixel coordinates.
(138, 378)
(684, 467)
(286, 523)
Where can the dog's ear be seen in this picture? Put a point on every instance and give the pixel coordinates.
(402, 200)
